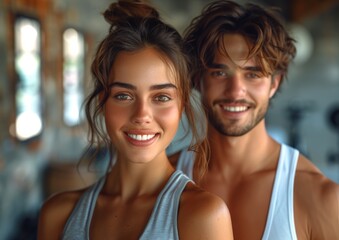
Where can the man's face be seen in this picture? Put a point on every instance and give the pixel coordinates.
(234, 90)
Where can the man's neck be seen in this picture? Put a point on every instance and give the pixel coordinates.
(243, 154)
(236, 160)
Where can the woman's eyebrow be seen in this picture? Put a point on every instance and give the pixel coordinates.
(163, 86)
(132, 87)
(123, 85)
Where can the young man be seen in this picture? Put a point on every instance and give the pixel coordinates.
(241, 56)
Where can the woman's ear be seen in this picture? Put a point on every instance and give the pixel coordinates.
(100, 99)
(100, 96)
(275, 83)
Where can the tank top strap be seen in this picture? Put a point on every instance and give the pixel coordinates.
(280, 221)
(163, 221)
(78, 224)
(186, 162)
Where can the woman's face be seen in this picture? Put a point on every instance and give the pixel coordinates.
(143, 110)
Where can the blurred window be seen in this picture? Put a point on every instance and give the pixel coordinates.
(27, 35)
(73, 76)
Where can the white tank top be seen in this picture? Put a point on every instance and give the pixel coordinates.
(280, 221)
(161, 225)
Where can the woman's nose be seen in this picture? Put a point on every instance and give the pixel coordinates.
(142, 112)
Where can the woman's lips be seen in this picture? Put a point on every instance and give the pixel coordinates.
(144, 139)
(141, 137)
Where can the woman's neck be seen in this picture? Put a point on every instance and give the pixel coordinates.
(130, 180)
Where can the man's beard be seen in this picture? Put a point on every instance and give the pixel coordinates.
(232, 128)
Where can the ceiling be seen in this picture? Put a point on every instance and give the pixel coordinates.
(180, 12)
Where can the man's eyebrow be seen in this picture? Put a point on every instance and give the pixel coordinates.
(246, 68)
(252, 68)
(218, 65)
(132, 87)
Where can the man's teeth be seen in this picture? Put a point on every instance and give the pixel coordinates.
(141, 137)
(235, 109)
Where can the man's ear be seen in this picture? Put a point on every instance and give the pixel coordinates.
(275, 84)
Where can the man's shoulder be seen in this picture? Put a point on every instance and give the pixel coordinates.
(316, 200)
(173, 158)
(183, 155)
(309, 175)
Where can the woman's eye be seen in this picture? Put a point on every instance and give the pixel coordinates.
(122, 97)
(162, 98)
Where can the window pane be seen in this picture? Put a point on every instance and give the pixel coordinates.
(73, 74)
(28, 70)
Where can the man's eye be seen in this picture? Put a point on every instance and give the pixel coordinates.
(123, 97)
(252, 75)
(162, 98)
(219, 74)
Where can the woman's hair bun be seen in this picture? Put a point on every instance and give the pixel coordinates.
(123, 9)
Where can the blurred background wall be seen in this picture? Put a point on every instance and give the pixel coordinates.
(46, 47)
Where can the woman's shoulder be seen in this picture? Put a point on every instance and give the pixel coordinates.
(62, 201)
(55, 212)
(205, 202)
(204, 214)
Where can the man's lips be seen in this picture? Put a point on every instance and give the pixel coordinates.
(235, 108)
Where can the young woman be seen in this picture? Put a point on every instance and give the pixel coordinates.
(141, 88)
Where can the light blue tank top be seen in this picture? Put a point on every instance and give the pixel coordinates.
(280, 221)
(161, 225)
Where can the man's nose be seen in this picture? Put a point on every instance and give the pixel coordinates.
(235, 86)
